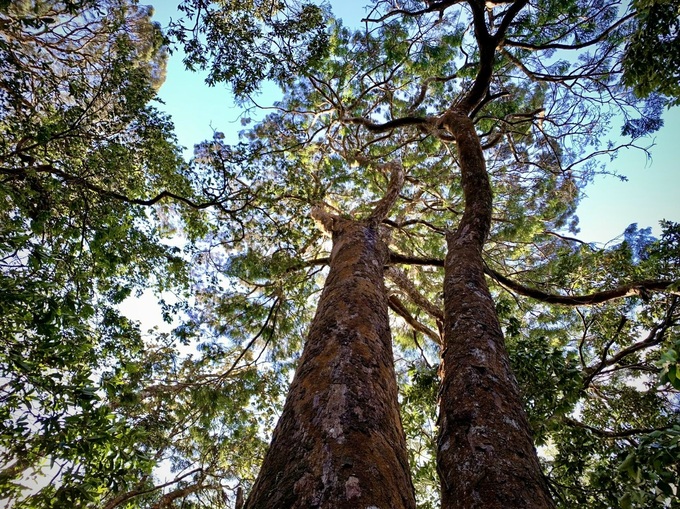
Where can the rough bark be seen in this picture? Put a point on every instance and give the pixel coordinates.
(485, 457)
(339, 442)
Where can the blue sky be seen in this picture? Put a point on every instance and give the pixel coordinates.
(650, 194)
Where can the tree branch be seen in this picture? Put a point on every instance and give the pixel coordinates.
(167, 499)
(398, 307)
(48, 168)
(599, 38)
(509, 16)
(432, 6)
(415, 260)
(383, 207)
(639, 288)
(387, 126)
(124, 497)
(399, 278)
(611, 434)
(655, 337)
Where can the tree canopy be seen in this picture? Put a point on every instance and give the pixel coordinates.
(93, 184)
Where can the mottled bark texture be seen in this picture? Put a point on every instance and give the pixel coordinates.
(339, 442)
(486, 458)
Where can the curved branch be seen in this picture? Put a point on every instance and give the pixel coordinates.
(399, 278)
(487, 45)
(509, 16)
(387, 126)
(415, 260)
(410, 222)
(566, 238)
(541, 47)
(639, 288)
(432, 6)
(381, 208)
(655, 337)
(423, 88)
(398, 307)
(125, 497)
(612, 434)
(167, 499)
(487, 53)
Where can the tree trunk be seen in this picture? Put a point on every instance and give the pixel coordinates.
(339, 442)
(485, 457)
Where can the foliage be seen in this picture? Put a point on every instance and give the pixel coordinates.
(82, 154)
(653, 52)
(599, 394)
(245, 43)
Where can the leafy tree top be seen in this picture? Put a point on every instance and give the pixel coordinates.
(593, 332)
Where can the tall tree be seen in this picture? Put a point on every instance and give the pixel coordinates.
(523, 116)
(339, 441)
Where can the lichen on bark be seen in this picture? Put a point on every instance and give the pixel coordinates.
(485, 458)
(339, 442)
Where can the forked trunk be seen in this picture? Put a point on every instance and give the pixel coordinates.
(339, 442)
(485, 457)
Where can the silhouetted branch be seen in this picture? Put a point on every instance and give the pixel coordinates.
(655, 337)
(432, 6)
(612, 434)
(129, 495)
(639, 288)
(73, 179)
(585, 44)
(386, 126)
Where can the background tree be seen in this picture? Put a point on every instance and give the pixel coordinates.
(84, 158)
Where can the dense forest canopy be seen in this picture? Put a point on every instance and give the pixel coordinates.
(96, 196)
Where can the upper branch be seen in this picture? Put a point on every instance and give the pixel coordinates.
(510, 15)
(432, 6)
(143, 490)
(398, 307)
(383, 207)
(487, 51)
(329, 222)
(74, 179)
(585, 44)
(655, 337)
(386, 126)
(639, 288)
(612, 433)
(487, 44)
(399, 278)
